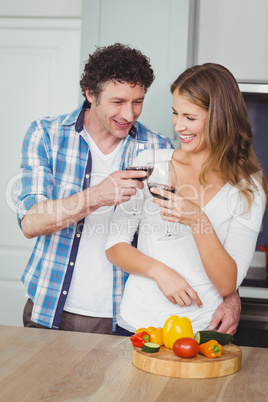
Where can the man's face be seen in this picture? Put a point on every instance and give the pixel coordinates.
(117, 108)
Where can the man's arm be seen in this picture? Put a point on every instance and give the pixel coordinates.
(50, 216)
(227, 315)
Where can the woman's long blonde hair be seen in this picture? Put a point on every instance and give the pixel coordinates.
(228, 130)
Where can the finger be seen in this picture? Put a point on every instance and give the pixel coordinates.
(165, 212)
(171, 299)
(133, 174)
(196, 299)
(227, 328)
(232, 330)
(213, 325)
(122, 199)
(216, 320)
(187, 300)
(168, 195)
(134, 183)
(128, 191)
(164, 204)
(124, 195)
(180, 302)
(222, 328)
(169, 218)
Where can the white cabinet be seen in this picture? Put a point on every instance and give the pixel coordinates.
(40, 73)
(41, 8)
(235, 34)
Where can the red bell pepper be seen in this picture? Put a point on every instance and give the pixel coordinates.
(139, 339)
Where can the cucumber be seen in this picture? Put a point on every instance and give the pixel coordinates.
(150, 347)
(205, 336)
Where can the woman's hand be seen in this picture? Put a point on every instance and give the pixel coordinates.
(176, 289)
(176, 208)
(172, 285)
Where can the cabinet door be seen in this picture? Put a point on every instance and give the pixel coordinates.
(40, 73)
(235, 34)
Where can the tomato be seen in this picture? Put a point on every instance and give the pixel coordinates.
(186, 347)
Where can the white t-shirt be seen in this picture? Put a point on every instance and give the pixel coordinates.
(143, 303)
(91, 287)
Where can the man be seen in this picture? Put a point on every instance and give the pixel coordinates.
(67, 194)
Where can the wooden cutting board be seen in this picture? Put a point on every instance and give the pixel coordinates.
(166, 363)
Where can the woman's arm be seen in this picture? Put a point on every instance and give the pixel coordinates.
(219, 265)
(172, 285)
(226, 265)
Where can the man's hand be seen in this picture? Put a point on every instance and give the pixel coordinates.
(118, 187)
(227, 315)
(50, 216)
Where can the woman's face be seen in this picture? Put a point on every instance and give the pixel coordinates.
(189, 122)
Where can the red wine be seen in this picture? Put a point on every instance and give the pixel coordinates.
(162, 187)
(147, 169)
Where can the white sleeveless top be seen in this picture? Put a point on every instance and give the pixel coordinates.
(143, 303)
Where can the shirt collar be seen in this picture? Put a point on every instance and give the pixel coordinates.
(80, 119)
(133, 131)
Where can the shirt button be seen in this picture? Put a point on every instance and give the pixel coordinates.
(71, 263)
(65, 292)
(78, 235)
(87, 176)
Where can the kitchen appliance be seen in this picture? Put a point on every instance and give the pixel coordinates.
(253, 326)
(265, 249)
(255, 94)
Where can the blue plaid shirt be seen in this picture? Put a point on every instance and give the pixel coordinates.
(56, 163)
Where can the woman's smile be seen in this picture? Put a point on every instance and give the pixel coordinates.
(186, 137)
(189, 122)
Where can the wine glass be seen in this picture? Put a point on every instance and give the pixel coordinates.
(139, 156)
(163, 176)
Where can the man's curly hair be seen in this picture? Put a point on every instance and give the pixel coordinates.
(116, 62)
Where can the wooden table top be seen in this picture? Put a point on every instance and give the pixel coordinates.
(48, 365)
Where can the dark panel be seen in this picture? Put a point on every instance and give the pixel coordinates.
(257, 105)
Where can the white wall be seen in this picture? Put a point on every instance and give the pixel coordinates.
(234, 33)
(159, 28)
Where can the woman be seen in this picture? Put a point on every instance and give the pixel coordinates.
(221, 200)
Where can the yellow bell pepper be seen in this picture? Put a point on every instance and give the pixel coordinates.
(175, 328)
(156, 334)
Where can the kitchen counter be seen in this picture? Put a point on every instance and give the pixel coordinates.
(38, 365)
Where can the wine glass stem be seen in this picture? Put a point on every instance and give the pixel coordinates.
(135, 206)
(169, 229)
